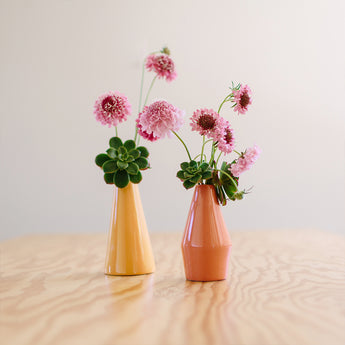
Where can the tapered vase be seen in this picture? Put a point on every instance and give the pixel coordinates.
(206, 242)
(129, 249)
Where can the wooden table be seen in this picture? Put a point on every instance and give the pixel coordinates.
(283, 288)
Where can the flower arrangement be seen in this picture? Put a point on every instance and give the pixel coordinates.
(217, 131)
(123, 161)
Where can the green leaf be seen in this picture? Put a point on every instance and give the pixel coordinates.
(129, 159)
(188, 184)
(109, 178)
(195, 178)
(221, 195)
(122, 165)
(180, 175)
(136, 178)
(193, 164)
(142, 163)
(101, 159)
(115, 142)
(129, 145)
(121, 178)
(112, 153)
(229, 190)
(109, 167)
(223, 177)
(184, 165)
(204, 166)
(122, 150)
(132, 169)
(207, 174)
(134, 153)
(143, 151)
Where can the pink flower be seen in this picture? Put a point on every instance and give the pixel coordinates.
(112, 108)
(163, 65)
(225, 137)
(143, 133)
(243, 99)
(206, 122)
(245, 161)
(159, 119)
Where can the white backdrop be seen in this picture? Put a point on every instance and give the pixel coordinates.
(57, 57)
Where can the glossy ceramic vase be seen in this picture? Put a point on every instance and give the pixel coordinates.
(206, 242)
(129, 249)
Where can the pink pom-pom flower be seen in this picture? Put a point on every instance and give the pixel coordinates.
(243, 99)
(112, 108)
(162, 65)
(143, 133)
(206, 122)
(159, 119)
(225, 137)
(245, 162)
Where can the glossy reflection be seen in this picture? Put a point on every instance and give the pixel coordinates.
(129, 249)
(206, 242)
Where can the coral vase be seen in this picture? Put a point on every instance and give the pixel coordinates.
(129, 249)
(206, 242)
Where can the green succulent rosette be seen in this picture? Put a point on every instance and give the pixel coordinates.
(123, 162)
(192, 173)
(225, 184)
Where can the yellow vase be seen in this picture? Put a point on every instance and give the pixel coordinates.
(129, 249)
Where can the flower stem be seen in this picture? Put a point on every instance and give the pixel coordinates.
(140, 97)
(198, 156)
(179, 138)
(202, 149)
(226, 174)
(116, 131)
(226, 99)
(240, 154)
(218, 159)
(213, 151)
(150, 88)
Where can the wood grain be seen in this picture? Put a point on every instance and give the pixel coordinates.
(283, 288)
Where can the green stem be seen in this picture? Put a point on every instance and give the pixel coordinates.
(116, 131)
(150, 88)
(213, 151)
(226, 99)
(179, 138)
(226, 174)
(218, 158)
(240, 154)
(202, 149)
(140, 97)
(198, 156)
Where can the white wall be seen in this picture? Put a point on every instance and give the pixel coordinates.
(58, 56)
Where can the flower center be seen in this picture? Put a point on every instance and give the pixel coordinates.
(206, 122)
(109, 104)
(244, 101)
(164, 63)
(228, 136)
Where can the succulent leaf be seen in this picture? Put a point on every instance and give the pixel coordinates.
(135, 153)
(115, 142)
(121, 178)
(143, 151)
(136, 178)
(112, 153)
(142, 163)
(109, 178)
(188, 184)
(109, 166)
(129, 145)
(122, 165)
(101, 159)
(132, 169)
